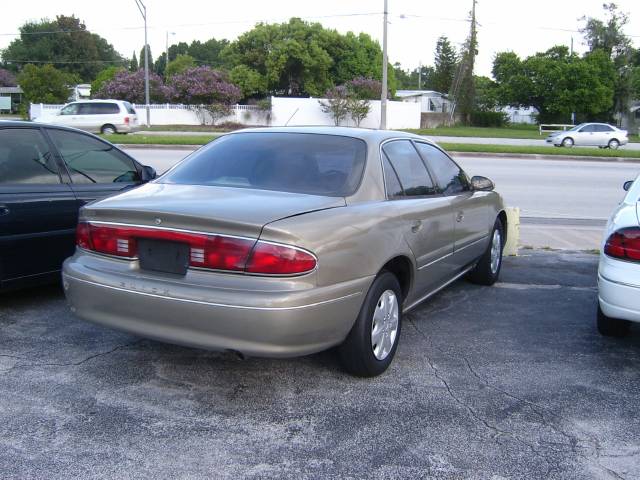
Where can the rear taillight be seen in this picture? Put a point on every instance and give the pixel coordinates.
(624, 244)
(126, 120)
(279, 260)
(214, 252)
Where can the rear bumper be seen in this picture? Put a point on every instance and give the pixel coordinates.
(619, 289)
(277, 323)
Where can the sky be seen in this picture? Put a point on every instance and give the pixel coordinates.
(525, 27)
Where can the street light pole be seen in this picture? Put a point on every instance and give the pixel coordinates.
(383, 97)
(143, 12)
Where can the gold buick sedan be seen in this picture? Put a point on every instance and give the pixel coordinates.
(280, 242)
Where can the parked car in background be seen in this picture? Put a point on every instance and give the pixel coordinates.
(98, 116)
(619, 267)
(282, 242)
(46, 174)
(590, 135)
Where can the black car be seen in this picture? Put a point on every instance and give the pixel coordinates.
(46, 174)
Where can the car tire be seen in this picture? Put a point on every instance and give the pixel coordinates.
(381, 312)
(613, 144)
(567, 142)
(487, 270)
(108, 130)
(611, 327)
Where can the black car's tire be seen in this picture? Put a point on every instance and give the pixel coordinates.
(108, 129)
(611, 327)
(359, 354)
(487, 270)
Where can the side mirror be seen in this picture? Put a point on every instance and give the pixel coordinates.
(627, 185)
(148, 173)
(482, 184)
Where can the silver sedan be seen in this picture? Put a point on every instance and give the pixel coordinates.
(287, 241)
(590, 135)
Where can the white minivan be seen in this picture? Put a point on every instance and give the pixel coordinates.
(103, 116)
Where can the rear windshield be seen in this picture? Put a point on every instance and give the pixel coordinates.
(129, 108)
(314, 164)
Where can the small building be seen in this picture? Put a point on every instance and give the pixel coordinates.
(527, 115)
(10, 99)
(430, 100)
(80, 92)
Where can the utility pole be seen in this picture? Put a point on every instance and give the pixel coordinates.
(143, 12)
(420, 75)
(573, 114)
(166, 52)
(383, 96)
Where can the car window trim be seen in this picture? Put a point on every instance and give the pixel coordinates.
(405, 197)
(450, 158)
(54, 152)
(62, 163)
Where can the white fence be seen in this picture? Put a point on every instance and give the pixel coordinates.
(284, 111)
(170, 114)
(307, 111)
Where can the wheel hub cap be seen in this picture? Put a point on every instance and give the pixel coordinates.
(496, 251)
(384, 327)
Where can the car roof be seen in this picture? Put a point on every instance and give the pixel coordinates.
(24, 123)
(366, 134)
(108, 100)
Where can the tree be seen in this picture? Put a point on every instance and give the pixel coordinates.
(64, 43)
(364, 88)
(252, 84)
(129, 86)
(103, 77)
(464, 94)
(301, 59)
(608, 36)
(556, 83)
(133, 66)
(7, 79)
(358, 109)
(203, 85)
(45, 84)
(446, 63)
(336, 103)
(486, 98)
(421, 78)
(179, 65)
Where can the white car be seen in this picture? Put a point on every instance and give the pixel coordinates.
(619, 268)
(98, 116)
(590, 135)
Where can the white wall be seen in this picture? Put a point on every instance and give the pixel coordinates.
(307, 111)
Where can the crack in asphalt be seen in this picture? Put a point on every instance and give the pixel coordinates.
(575, 442)
(70, 364)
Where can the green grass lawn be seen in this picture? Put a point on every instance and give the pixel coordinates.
(187, 128)
(161, 139)
(513, 131)
(552, 151)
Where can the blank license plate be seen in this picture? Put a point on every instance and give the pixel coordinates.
(163, 256)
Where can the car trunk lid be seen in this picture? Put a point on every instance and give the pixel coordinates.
(224, 210)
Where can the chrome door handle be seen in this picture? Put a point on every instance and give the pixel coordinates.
(416, 226)
(4, 210)
(460, 217)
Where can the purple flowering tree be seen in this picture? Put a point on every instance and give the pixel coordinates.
(207, 91)
(7, 79)
(364, 88)
(336, 103)
(129, 86)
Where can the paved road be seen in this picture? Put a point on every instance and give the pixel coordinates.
(488, 383)
(541, 188)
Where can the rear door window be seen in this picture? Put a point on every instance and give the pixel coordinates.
(409, 168)
(25, 158)
(90, 160)
(129, 107)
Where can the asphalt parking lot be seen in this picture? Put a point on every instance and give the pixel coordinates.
(489, 383)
